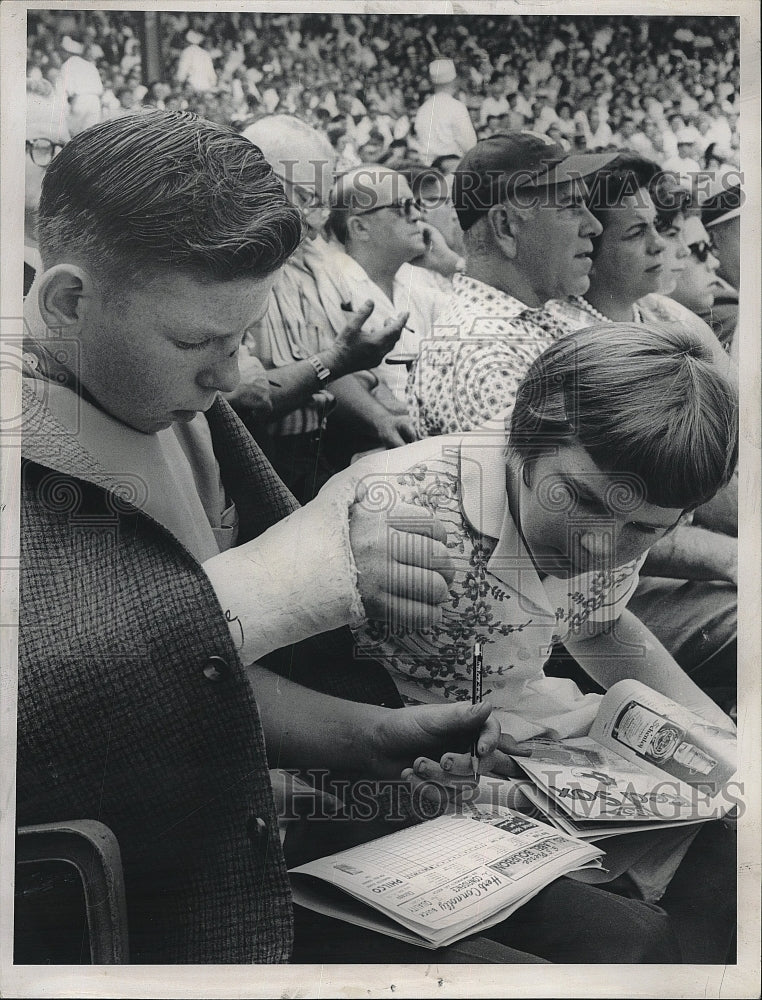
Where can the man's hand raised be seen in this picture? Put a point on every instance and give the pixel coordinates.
(357, 348)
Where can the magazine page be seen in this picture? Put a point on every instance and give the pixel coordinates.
(591, 782)
(664, 737)
(593, 830)
(449, 876)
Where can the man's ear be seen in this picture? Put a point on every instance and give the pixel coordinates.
(357, 230)
(64, 294)
(503, 222)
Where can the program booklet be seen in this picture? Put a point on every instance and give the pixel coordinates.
(647, 763)
(443, 879)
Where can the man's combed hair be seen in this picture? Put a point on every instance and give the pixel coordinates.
(659, 404)
(146, 192)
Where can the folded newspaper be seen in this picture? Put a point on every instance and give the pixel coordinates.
(444, 879)
(647, 763)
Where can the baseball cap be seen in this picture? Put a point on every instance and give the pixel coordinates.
(722, 207)
(515, 161)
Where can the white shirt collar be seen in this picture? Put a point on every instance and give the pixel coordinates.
(481, 462)
(484, 502)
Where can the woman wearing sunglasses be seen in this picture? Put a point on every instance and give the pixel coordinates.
(687, 594)
(698, 284)
(690, 273)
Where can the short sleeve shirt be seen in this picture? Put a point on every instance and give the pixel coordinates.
(496, 596)
(482, 346)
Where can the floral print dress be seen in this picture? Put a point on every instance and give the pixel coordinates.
(496, 596)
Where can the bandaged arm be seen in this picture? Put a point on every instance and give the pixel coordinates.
(295, 580)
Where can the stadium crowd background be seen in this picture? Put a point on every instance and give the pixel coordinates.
(588, 82)
(665, 89)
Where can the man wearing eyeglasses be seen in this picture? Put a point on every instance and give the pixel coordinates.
(46, 133)
(314, 359)
(379, 224)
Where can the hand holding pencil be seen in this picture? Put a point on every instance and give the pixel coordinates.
(489, 750)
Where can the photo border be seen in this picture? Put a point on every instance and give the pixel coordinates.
(431, 980)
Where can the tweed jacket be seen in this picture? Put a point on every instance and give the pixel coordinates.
(133, 704)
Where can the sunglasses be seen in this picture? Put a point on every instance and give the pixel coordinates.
(404, 208)
(43, 151)
(702, 249)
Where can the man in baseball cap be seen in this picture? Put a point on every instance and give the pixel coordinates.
(721, 215)
(517, 165)
(528, 237)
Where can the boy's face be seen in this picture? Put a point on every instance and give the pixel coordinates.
(160, 353)
(575, 518)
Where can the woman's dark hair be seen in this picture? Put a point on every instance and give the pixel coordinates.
(624, 176)
(670, 199)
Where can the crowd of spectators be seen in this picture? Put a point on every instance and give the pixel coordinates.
(663, 86)
(403, 304)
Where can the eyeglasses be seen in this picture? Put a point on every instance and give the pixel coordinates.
(436, 201)
(702, 249)
(43, 151)
(404, 208)
(309, 200)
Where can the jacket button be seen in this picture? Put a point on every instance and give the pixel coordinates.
(216, 669)
(256, 828)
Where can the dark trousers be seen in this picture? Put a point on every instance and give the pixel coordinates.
(567, 923)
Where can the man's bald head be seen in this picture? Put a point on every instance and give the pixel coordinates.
(293, 149)
(367, 187)
(45, 113)
(373, 212)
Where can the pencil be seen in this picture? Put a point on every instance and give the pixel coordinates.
(476, 697)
